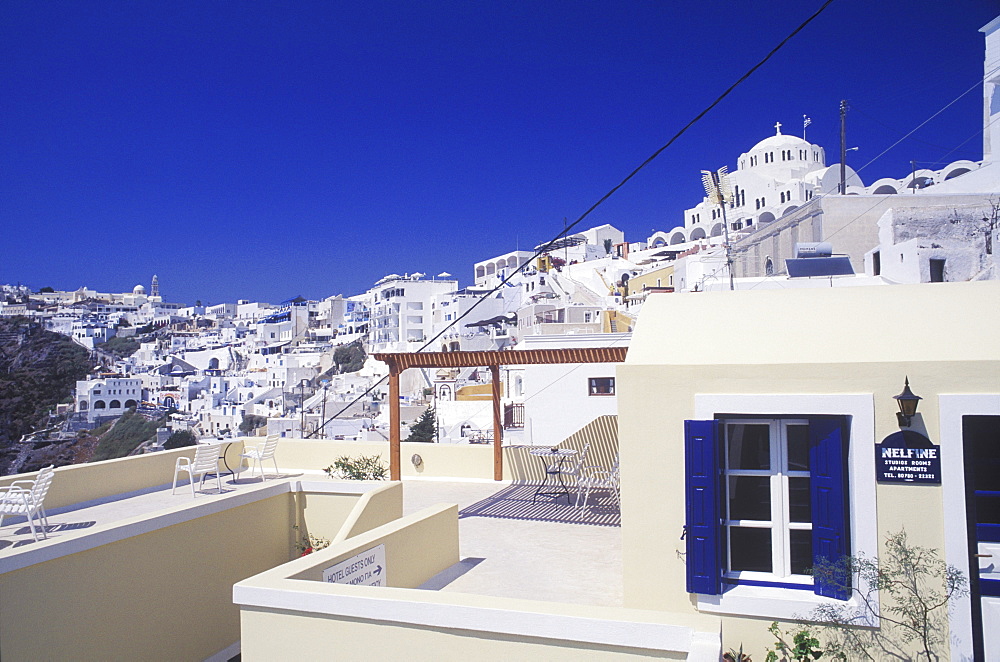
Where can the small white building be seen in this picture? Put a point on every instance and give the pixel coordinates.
(559, 399)
(107, 396)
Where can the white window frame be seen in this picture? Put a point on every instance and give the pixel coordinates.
(780, 522)
(788, 603)
(952, 408)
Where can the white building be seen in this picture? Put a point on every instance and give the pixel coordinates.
(109, 396)
(489, 273)
(559, 399)
(401, 311)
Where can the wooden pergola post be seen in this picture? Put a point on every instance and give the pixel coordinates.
(497, 425)
(394, 464)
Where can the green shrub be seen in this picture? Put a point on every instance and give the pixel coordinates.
(905, 591)
(180, 439)
(251, 422)
(362, 468)
(128, 432)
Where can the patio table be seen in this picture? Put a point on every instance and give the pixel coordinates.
(553, 485)
(223, 449)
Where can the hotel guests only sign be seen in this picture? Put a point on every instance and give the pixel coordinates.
(908, 457)
(364, 569)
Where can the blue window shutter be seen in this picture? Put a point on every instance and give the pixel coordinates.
(702, 512)
(830, 507)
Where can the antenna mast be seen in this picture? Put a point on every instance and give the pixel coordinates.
(843, 146)
(718, 192)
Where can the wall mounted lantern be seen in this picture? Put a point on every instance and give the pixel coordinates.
(907, 405)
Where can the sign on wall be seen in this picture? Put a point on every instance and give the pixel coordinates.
(908, 457)
(364, 569)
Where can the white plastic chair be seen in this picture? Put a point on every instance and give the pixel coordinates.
(261, 452)
(575, 467)
(595, 478)
(26, 498)
(205, 462)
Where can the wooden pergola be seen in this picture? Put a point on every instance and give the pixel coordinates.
(400, 361)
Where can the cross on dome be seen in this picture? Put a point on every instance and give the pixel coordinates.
(777, 126)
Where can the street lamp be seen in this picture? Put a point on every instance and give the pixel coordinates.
(907, 402)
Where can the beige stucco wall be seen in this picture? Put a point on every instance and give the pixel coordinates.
(287, 612)
(374, 509)
(85, 482)
(439, 460)
(858, 341)
(162, 595)
(159, 585)
(317, 637)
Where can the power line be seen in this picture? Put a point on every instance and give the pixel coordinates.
(880, 155)
(544, 247)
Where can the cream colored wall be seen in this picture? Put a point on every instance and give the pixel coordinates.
(317, 636)
(654, 401)
(323, 514)
(284, 617)
(95, 480)
(374, 509)
(859, 341)
(417, 547)
(162, 595)
(439, 460)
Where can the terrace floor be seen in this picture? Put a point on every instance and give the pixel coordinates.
(510, 544)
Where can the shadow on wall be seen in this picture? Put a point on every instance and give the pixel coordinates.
(601, 433)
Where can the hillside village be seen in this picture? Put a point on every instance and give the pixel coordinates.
(783, 209)
(642, 448)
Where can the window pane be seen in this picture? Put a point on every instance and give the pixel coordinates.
(798, 447)
(987, 509)
(750, 498)
(749, 446)
(749, 549)
(801, 551)
(798, 500)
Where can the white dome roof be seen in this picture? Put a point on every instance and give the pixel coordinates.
(779, 141)
(138, 289)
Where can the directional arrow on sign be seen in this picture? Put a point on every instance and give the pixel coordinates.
(378, 570)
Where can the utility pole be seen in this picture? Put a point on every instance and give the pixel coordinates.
(718, 192)
(326, 385)
(843, 146)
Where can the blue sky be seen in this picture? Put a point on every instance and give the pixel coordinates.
(262, 150)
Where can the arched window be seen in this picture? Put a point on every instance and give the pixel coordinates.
(130, 403)
(99, 404)
(115, 404)
(83, 405)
